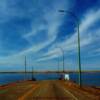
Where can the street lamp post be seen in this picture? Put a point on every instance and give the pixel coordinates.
(78, 39)
(33, 78)
(62, 51)
(58, 65)
(25, 67)
(32, 72)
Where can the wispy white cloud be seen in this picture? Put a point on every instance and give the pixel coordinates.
(51, 19)
(87, 35)
(52, 23)
(44, 18)
(47, 58)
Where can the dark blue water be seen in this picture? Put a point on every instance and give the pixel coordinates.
(91, 79)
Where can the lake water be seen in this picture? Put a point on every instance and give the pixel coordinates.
(92, 79)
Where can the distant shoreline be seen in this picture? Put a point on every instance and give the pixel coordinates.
(90, 71)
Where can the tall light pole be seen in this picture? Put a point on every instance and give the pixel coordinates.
(25, 67)
(33, 78)
(58, 66)
(62, 51)
(78, 40)
(32, 72)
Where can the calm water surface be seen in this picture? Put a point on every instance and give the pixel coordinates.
(92, 79)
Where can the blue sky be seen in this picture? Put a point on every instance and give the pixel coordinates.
(35, 29)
